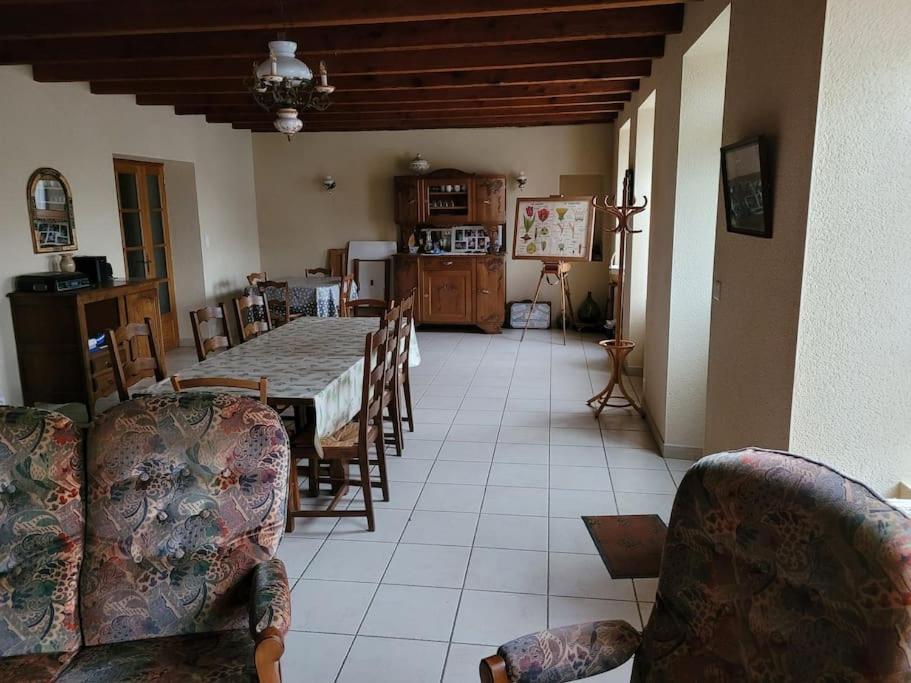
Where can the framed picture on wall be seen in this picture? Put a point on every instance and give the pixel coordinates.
(747, 188)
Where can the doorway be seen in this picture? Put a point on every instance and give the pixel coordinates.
(143, 209)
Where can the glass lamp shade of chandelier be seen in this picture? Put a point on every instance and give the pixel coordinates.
(282, 65)
(287, 122)
(285, 82)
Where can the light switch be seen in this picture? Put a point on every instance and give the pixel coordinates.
(716, 290)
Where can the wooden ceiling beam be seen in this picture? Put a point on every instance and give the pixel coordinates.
(402, 62)
(586, 73)
(331, 42)
(479, 107)
(404, 100)
(229, 116)
(425, 125)
(114, 17)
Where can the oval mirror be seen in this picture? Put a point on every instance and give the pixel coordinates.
(50, 211)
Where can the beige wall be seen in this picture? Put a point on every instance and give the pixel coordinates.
(299, 220)
(65, 127)
(772, 80)
(773, 84)
(852, 388)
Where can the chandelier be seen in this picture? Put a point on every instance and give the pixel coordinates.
(286, 85)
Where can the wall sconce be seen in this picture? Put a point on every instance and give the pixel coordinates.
(521, 180)
(329, 183)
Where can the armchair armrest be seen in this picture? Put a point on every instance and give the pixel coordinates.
(562, 654)
(270, 617)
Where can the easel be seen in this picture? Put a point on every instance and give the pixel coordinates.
(618, 348)
(559, 269)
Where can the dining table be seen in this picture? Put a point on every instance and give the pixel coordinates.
(311, 295)
(312, 363)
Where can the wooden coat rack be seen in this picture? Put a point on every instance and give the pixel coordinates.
(618, 348)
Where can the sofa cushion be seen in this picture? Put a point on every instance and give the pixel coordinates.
(37, 668)
(222, 657)
(186, 494)
(41, 528)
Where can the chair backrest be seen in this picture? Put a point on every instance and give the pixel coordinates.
(41, 532)
(367, 308)
(345, 294)
(317, 272)
(253, 317)
(392, 321)
(779, 568)
(278, 299)
(406, 326)
(261, 385)
(338, 260)
(206, 339)
(374, 381)
(135, 355)
(185, 496)
(255, 278)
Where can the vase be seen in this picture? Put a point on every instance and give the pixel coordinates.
(419, 165)
(589, 312)
(67, 264)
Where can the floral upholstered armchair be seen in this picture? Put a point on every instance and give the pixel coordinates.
(184, 499)
(775, 568)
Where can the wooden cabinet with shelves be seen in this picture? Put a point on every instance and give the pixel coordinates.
(455, 290)
(450, 197)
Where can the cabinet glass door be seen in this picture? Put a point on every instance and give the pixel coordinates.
(146, 241)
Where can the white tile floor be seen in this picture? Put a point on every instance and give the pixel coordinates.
(482, 540)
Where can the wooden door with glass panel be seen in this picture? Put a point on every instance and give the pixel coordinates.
(146, 241)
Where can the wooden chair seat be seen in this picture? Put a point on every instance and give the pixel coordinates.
(345, 438)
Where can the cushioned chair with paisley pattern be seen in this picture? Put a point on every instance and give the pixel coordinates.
(185, 502)
(775, 568)
(41, 544)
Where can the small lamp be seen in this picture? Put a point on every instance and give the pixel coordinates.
(521, 180)
(329, 183)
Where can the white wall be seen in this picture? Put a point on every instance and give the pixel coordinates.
(701, 116)
(65, 127)
(772, 90)
(852, 385)
(637, 245)
(299, 220)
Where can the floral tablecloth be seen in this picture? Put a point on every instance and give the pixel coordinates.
(313, 296)
(310, 361)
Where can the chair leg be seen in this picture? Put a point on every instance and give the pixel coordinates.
(395, 414)
(381, 465)
(363, 459)
(406, 390)
(313, 479)
(493, 670)
(294, 502)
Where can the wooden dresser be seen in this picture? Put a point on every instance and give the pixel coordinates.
(454, 289)
(52, 338)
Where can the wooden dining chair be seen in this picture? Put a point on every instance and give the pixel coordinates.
(206, 341)
(261, 385)
(253, 317)
(135, 355)
(317, 272)
(255, 278)
(403, 391)
(279, 307)
(348, 445)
